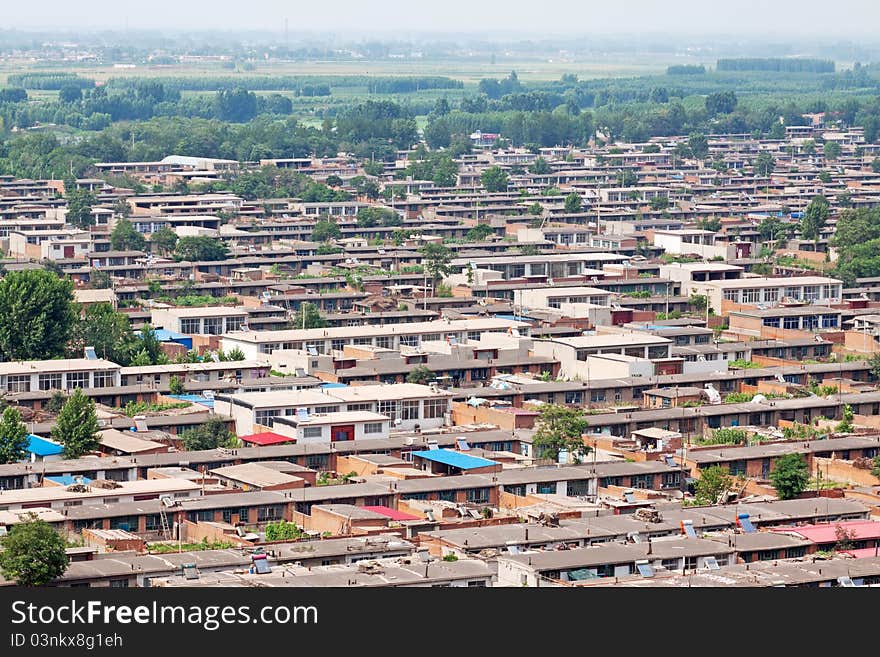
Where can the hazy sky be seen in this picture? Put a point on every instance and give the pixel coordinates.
(787, 18)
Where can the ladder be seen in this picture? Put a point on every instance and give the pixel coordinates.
(163, 518)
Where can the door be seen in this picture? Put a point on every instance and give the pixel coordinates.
(68, 251)
(344, 432)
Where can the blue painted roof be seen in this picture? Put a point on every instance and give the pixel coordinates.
(332, 385)
(195, 399)
(454, 459)
(168, 336)
(43, 447)
(69, 480)
(513, 318)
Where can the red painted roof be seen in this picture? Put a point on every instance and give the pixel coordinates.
(827, 533)
(863, 553)
(391, 513)
(267, 438)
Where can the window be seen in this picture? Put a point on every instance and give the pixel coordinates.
(372, 427)
(409, 410)
(316, 461)
(642, 481)
(200, 516)
(152, 522)
(574, 397)
(312, 432)
(50, 381)
(213, 325)
(189, 325)
(751, 295)
(670, 564)
(337, 344)
(126, 523)
(546, 488)
(597, 395)
(384, 342)
(77, 380)
(265, 417)
(771, 294)
(243, 514)
(737, 467)
(18, 383)
(388, 407)
(434, 408)
(578, 487)
(234, 323)
(791, 322)
(104, 379)
(477, 582)
(269, 513)
(478, 495)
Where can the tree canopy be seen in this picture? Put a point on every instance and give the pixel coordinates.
(13, 436)
(36, 315)
(790, 476)
(33, 553)
(560, 428)
(76, 426)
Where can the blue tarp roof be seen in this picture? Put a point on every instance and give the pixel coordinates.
(454, 459)
(69, 480)
(43, 447)
(513, 318)
(195, 399)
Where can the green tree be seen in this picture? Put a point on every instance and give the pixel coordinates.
(13, 436)
(99, 279)
(573, 203)
(325, 230)
(698, 302)
(831, 150)
(764, 164)
(124, 237)
(56, 402)
(105, 329)
(561, 428)
(790, 476)
(175, 386)
(626, 178)
(235, 354)
(210, 435)
(33, 553)
(165, 240)
(539, 167)
(436, 260)
(308, 317)
(283, 531)
(200, 249)
(375, 216)
(150, 345)
(421, 375)
(846, 424)
(494, 179)
(535, 209)
(36, 315)
(814, 218)
(79, 207)
(713, 483)
(699, 145)
(721, 102)
(76, 426)
(479, 233)
(122, 208)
